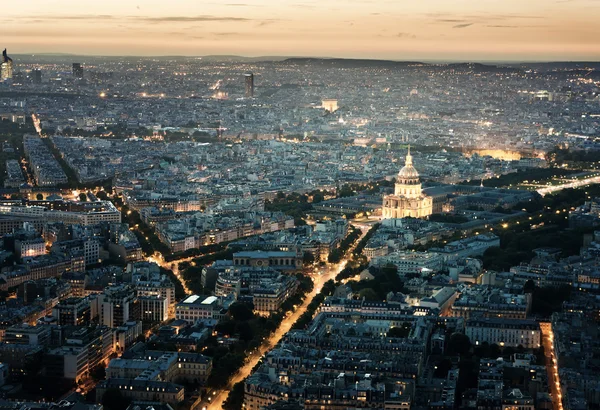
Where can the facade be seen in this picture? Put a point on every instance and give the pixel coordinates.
(6, 67)
(127, 334)
(268, 297)
(195, 308)
(70, 362)
(504, 332)
(176, 367)
(73, 311)
(68, 212)
(409, 262)
(83, 351)
(30, 247)
(117, 305)
(329, 104)
(154, 309)
(143, 390)
(276, 259)
(155, 284)
(483, 301)
(27, 335)
(408, 199)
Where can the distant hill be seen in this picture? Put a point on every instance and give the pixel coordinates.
(351, 62)
(495, 66)
(480, 68)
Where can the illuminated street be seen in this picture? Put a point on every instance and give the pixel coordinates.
(329, 272)
(173, 266)
(575, 184)
(551, 365)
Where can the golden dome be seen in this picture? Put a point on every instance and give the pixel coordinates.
(408, 171)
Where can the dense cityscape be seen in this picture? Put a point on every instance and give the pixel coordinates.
(298, 233)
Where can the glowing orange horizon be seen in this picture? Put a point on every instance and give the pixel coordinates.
(393, 29)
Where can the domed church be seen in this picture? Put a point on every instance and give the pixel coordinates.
(408, 198)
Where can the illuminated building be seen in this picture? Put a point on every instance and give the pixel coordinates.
(408, 199)
(6, 67)
(330, 105)
(249, 82)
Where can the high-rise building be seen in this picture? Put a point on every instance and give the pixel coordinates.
(249, 81)
(36, 76)
(408, 199)
(6, 67)
(77, 71)
(117, 305)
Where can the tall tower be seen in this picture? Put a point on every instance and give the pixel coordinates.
(249, 82)
(36, 76)
(78, 71)
(6, 67)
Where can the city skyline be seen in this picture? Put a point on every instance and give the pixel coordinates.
(464, 30)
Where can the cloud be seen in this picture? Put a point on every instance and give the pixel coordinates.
(406, 35)
(451, 20)
(465, 25)
(201, 18)
(514, 26)
(226, 34)
(460, 20)
(77, 17)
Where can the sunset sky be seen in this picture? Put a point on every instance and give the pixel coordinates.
(475, 30)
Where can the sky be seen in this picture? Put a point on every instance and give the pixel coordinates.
(424, 30)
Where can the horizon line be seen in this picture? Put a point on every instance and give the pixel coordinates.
(285, 57)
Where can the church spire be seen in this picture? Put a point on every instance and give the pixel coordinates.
(408, 158)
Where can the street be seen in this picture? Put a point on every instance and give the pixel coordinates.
(575, 184)
(330, 272)
(551, 365)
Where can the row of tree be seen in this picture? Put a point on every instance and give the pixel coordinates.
(336, 255)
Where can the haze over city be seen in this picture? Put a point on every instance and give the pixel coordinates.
(440, 30)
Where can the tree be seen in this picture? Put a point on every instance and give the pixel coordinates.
(39, 197)
(547, 300)
(241, 311)
(102, 195)
(98, 373)
(318, 197)
(459, 344)
(235, 400)
(442, 368)
(308, 258)
(334, 256)
(368, 294)
(82, 197)
(113, 399)
(529, 286)
(401, 331)
(244, 330)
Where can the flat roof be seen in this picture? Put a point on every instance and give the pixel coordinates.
(191, 299)
(209, 300)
